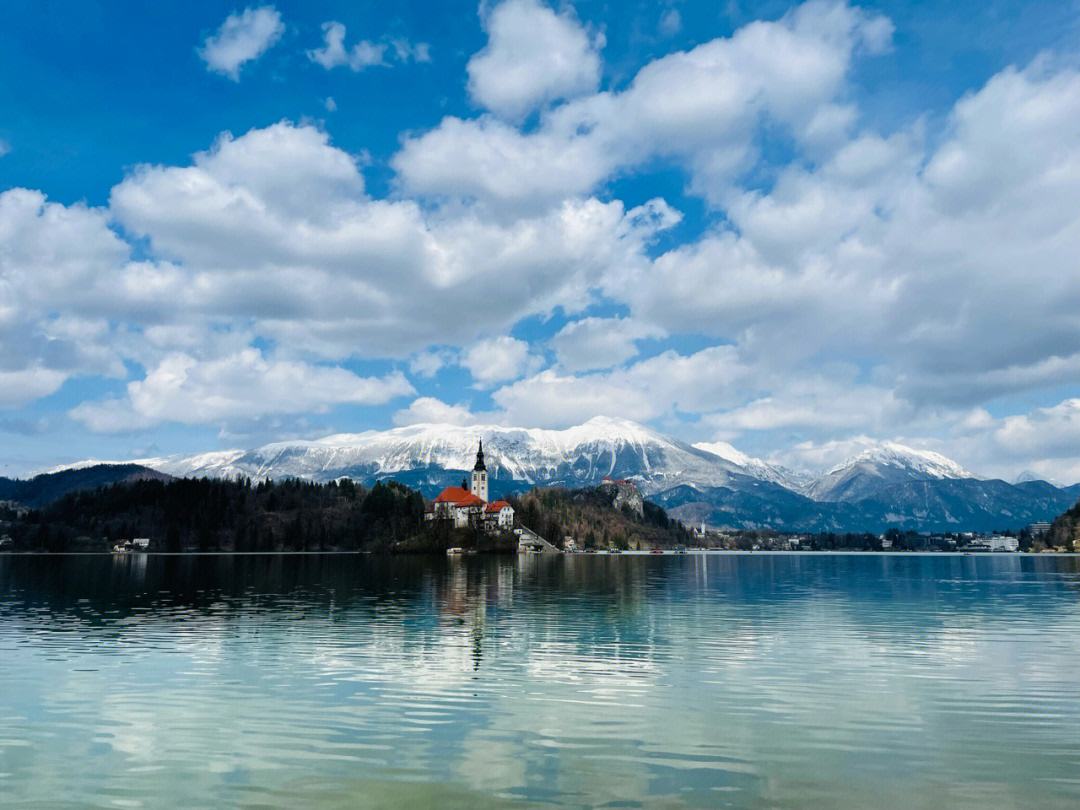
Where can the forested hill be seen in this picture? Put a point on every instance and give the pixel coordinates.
(1065, 530)
(590, 516)
(201, 514)
(206, 514)
(42, 490)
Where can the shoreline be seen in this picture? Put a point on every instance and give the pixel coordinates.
(603, 554)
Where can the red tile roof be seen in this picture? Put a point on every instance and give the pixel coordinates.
(495, 506)
(452, 495)
(470, 500)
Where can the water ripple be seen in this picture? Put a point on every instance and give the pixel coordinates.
(745, 681)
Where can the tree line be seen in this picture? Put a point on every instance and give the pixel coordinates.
(203, 514)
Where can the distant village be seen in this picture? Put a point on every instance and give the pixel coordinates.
(1034, 537)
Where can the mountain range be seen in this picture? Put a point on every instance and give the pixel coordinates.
(884, 486)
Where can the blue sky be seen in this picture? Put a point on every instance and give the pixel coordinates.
(799, 228)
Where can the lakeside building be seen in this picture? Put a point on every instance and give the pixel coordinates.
(468, 504)
(135, 544)
(993, 542)
(1039, 529)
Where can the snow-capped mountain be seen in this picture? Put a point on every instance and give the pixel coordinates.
(433, 455)
(886, 485)
(751, 466)
(879, 467)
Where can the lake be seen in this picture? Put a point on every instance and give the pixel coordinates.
(692, 681)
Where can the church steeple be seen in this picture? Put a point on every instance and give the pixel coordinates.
(479, 486)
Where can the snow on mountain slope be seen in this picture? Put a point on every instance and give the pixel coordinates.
(751, 466)
(431, 456)
(583, 454)
(882, 466)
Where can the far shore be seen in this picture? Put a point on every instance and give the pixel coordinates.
(600, 554)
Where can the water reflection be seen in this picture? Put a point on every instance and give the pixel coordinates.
(697, 681)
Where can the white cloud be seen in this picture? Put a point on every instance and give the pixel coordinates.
(333, 54)
(598, 343)
(330, 104)
(5, 147)
(882, 284)
(242, 38)
(702, 108)
(533, 56)
(275, 226)
(887, 252)
(428, 364)
(498, 359)
(429, 410)
(1045, 441)
(646, 390)
(21, 386)
(246, 384)
(271, 234)
(364, 53)
(670, 22)
(407, 51)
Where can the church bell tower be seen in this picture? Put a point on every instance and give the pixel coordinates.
(479, 486)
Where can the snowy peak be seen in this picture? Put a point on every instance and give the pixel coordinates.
(882, 466)
(725, 451)
(430, 456)
(426, 455)
(924, 463)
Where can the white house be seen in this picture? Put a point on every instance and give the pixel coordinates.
(499, 515)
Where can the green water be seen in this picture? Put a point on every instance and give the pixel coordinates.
(696, 681)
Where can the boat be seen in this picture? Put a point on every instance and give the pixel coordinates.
(681, 550)
(657, 551)
(454, 550)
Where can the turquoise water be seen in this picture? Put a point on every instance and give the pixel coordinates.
(697, 681)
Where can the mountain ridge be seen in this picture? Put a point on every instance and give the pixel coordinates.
(887, 484)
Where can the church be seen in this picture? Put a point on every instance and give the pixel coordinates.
(469, 506)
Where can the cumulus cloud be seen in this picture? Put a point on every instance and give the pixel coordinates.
(907, 254)
(246, 384)
(272, 234)
(890, 284)
(497, 359)
(333, 54)
(428, 364)
(1044, 441)
(364, 53)
(275, 225)
(650, 388)
(242, 38)
(533, 56)
(598, 343)
(21, 386)
(702, 108)
(429, 410)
